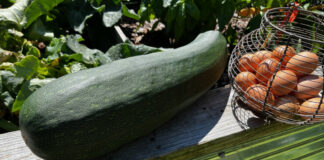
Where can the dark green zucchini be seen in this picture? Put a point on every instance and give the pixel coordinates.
(93, 112)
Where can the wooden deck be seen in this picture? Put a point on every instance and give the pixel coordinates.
(211, 117)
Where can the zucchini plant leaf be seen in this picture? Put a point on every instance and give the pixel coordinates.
(15, 13)
(28, 67)
(7, 125)
(125, 50)
(78, 12)
(144, 12)
(192, 10)
(129, 13)
(65, 58)
(180, 21)
(53, 50)
(27, 89)
(29, 49)
(10, 86)
(22, 95)
(254, 23)
(225, 12)
(33, 51)
(7, 99)
(88, 55)
(112, 14)
(10, 82)
(38, 8)
(170, 18)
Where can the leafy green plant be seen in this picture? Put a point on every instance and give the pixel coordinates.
(42, 40)
(185, 19)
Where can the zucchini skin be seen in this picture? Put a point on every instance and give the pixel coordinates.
(90, 113)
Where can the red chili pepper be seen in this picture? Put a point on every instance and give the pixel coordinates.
(291, 18)
(293, 14)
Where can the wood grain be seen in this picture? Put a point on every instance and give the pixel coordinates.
(211, 117)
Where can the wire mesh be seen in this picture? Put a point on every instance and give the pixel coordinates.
(277, 70)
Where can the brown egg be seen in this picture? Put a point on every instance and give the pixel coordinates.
(278, 52)
(248, 62)
(310, 106)
(266, 69)
(284, 82)
(308, 87)
(258, 92)
(264, 54)
(286, 103)
(245, 80)
(303, 63)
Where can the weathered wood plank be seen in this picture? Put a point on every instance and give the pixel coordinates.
(211, 117)
(12, 147)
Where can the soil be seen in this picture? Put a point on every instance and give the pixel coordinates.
(144, 34)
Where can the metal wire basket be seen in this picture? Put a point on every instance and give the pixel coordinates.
(278, 69)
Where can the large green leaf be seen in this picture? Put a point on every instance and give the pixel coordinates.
(22, 95)
(144, 12)
(10, 82)
(38, 8)
(129, 13)
(15, 13)
(88, 55)
(254, 23)
(27, 89)
(53, 50)
(10, 86)
(28, 67)
(31, 50)
(78, 12)
(65, 58)
(7, 99)
(170, 18)
(192, 10)
(112, 14)
(225, 13)
(180, 21)
(125, 50)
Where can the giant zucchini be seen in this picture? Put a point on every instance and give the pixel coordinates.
(93, 112)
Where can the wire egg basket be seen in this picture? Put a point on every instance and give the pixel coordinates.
(277, 70)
